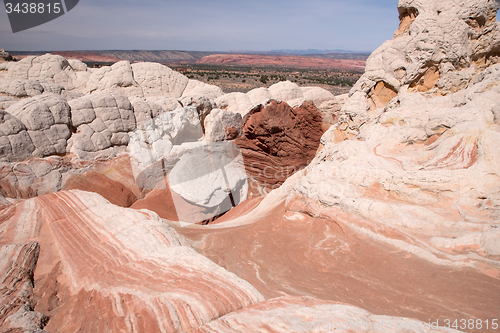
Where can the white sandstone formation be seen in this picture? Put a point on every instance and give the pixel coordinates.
(195, 87)
(49, 68)
(101, 121)
(305, 314)
(157, 144)
(235, 102)
(285, 91)
(222, 125)
(130, 94)
(6, 101)
(46, 119)
(211, 177)
(20, 88)
(15, 142)
(415, 149)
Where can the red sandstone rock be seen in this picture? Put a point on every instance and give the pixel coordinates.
(277, 141)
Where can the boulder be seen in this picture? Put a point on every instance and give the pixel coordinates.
(77, 65)
(279, 140)
(146, 79)
(16, 144)
(117, 77)
(211, 178)
(222, 125)
(147, 108)
(159, 80)
(285, 91)
(20, 88)
(259, 96)
(102, 122)
(6, 101)
(235, 102)
(49, 68)
(195, 87)
(47, 118)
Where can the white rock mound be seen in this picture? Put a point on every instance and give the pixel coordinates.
(102, 121)
(47, 118)
(211, 177)
(15, 143)
(20, 88)
(50, 68)
(286, 91)
(223, 125)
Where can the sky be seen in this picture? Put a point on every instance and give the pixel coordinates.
(211, 25)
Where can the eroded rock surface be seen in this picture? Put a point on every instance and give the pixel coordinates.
(278, 140)
(125, 263)
(325, 258)
(286, 314)
(285, 91)
(18, 262)
(45, 119)
(421, 162)
(102, 122)
(396, 214)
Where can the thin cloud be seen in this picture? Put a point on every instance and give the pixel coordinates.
(209, 25)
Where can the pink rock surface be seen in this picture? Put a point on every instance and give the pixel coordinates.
(104, 268)
(305, 314)
(285, 253)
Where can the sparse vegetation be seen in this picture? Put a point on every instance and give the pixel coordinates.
(243, 78)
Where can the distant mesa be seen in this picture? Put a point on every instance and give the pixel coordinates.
(282, 61)
(335, 60)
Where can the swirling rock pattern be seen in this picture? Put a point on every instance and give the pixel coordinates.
(132, 271)
(286, 314)
(278, 140)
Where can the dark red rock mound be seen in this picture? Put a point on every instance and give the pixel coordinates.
(279, 140)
